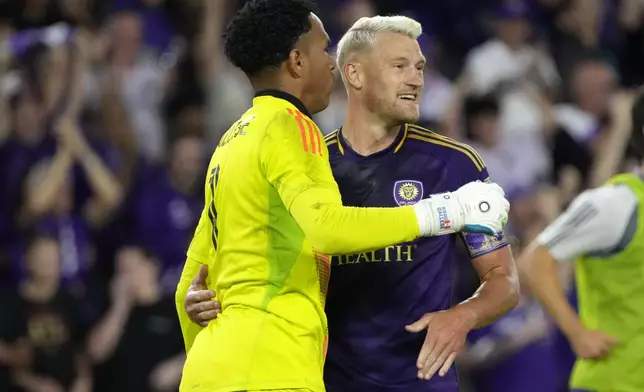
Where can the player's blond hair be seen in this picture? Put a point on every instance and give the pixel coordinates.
(362, 35)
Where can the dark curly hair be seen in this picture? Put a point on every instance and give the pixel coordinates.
(263, 33)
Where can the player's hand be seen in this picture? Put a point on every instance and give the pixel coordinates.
(445, 339)
(590, 344)
(476, 207)
(199, 305)
(483, 207)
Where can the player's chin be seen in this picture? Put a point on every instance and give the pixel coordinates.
(322, 104)
(408, 115)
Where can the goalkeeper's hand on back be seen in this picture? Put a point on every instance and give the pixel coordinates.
(476, 207)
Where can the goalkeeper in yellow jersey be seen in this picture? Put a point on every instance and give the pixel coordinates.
(273, 212)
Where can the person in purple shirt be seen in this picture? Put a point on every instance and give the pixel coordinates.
(28, 142)
(49, 207)
(381, 303)
(160, 19)
(379, 159)
(165, 212)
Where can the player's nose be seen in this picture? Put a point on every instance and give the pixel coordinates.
(417, 81)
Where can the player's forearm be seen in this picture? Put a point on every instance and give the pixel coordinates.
(334, 229)
(497, 294)
(189, 329)
(538, 271)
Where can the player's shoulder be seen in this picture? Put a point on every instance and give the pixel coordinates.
(278, 123)
(607, 199)
(277, 116)
(451, 150)
(595, 220)
(332, 141)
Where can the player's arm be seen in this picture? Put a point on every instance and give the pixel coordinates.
(295, 161)
(499, 289)
(189, 329)
(594, 222)
(198, 254)
(491, 257)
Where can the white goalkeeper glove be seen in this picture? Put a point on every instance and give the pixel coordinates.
(476, 207)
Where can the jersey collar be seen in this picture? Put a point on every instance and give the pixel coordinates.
(287, 97)
(344, 147)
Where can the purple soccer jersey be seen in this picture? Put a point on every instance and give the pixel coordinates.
(373, 295)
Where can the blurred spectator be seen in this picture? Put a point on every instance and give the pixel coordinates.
(504, 65)
(585, 29)
(584, 121)
(14, 345)
(138, 339)
(515, 164)
(141, 79)
(27, 143)
(160, 19)
(49, 202)
(55, 330)
(166, 211)
(437, 92)
(228, 91)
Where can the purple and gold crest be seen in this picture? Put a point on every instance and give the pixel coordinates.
(408, 192)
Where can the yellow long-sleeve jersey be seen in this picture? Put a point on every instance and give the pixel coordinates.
(273, 211)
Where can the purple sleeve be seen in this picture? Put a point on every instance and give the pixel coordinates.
(59, 34)
(467, 168)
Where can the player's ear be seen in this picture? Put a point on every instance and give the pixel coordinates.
(353, 75)
(295, 63)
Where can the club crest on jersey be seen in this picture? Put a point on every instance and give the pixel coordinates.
(408, 192)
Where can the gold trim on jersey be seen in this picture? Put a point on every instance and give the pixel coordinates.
(331, 138)
(337, 140)
(425, 135)
(402, 140)
(334, 137)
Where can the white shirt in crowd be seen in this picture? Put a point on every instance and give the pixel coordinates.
(493, 63)
(580, 125)
(517, 163)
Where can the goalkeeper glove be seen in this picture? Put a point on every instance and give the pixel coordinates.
(476, 207)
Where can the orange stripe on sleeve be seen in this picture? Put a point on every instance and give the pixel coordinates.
(300, 123)
(317, 135)
(312, 133)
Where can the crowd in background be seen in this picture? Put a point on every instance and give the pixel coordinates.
(109, 111)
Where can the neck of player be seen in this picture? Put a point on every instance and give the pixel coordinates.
(366, 132)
